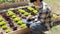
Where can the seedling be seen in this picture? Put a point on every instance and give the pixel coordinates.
(26, 14)
(54, 16)
(2, 23)
(30, 8)
(35, 11)
(10, 13)
(13, 16)
(19, 22)
(7, 31)
(22, 11)
(17, 19)
(4, 27)
(23, 26)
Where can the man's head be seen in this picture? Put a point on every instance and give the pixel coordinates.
(36, 2)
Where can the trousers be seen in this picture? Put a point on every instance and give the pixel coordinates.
(36, 28)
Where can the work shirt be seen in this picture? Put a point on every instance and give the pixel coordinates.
(44, 13)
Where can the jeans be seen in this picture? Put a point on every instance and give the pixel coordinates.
(36, 28)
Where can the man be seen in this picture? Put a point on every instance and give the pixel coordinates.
(42, 21)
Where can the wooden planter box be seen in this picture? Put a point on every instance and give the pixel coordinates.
(12, 5)
(22, 31)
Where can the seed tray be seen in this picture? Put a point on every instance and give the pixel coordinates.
(13, 19)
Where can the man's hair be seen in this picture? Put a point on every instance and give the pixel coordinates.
(34, 1)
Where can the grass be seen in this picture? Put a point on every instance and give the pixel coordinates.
(55, 30)
(55, 6)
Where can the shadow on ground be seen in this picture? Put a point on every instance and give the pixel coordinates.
(56, 23)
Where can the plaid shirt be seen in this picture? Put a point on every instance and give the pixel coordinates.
(44, 15)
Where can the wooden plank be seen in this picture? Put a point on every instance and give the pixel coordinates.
(12, 5)
(26, 30)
